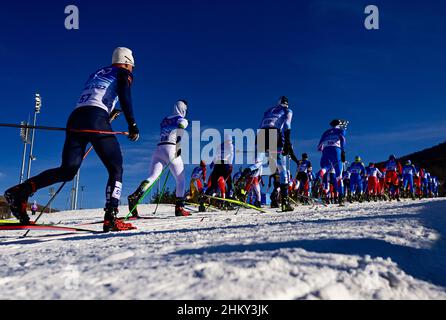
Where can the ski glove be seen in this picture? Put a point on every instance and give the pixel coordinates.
(287, 147)
(179, 153)
(343, 156)
(133, 132)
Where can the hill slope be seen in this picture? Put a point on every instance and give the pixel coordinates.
(368, 251)
(433, 159)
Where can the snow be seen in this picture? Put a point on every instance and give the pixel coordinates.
(361, 251)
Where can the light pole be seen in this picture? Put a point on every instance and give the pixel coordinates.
(76, 190)
(24, 135)
(51, 193)
(36, 111)
(82, 197)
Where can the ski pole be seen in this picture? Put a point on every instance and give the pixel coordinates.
(162, 192)
(62, 129)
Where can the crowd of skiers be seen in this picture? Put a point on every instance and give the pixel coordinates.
(389, 181)
(90, 123)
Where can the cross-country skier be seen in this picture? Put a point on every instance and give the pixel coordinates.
(222, 166)
(311, 181)
(102, 91)
(276, 124)
(252, 182)
(198, 181)
(426, 182)
(393, 170)
(409, 171)
(302, 177)
(34, 208)
(373, 175)
(274, 181)
(168, 153)
(332, 146)
(346, 175)
(358, 171)
(435, 185)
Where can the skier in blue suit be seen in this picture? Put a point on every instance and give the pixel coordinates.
(332, 146)
(409, 171)
(273, 142)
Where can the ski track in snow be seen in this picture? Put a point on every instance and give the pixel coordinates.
(361, 251)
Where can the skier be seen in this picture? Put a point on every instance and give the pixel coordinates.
(382, 183)
(34, 208)
(426, 181)
(222, 166)
(302, 177)
(93, 111)
(274, 180)
(373, 175)
(393, 169)
(435, 185)
(409, 172)
(311, 181)
(253, 182)
(358, 171)
(276, 124)
(332, 146)
(330, 183)
(198, 181)
(346, 180)
(168, 153)
(417, 183)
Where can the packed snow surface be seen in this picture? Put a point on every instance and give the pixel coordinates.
(361, 251)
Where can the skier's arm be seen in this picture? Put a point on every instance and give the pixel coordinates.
(125, 79)
(182, 125)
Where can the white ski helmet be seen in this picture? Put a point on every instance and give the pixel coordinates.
(123, 56)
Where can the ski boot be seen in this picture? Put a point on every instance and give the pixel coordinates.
(180, 211)
(17, 198)
(112, 223)
(286, 207)
(341, 201)
(274, 204)
(258, 204)
(135, 197)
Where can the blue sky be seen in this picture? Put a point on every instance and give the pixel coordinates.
(231, 60)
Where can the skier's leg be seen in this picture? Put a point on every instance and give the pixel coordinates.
(155, 169)
(281, 164)
(222, 186)
(193, 190)
(72, 155)
(177, 170)
(108, 150)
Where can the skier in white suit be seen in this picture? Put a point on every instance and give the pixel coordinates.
(168, 152)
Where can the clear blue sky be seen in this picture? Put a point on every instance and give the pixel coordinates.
(231, 60)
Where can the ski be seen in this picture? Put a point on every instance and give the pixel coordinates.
(208, 206)
(246, 205)
(43, 227)
(122, 219)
